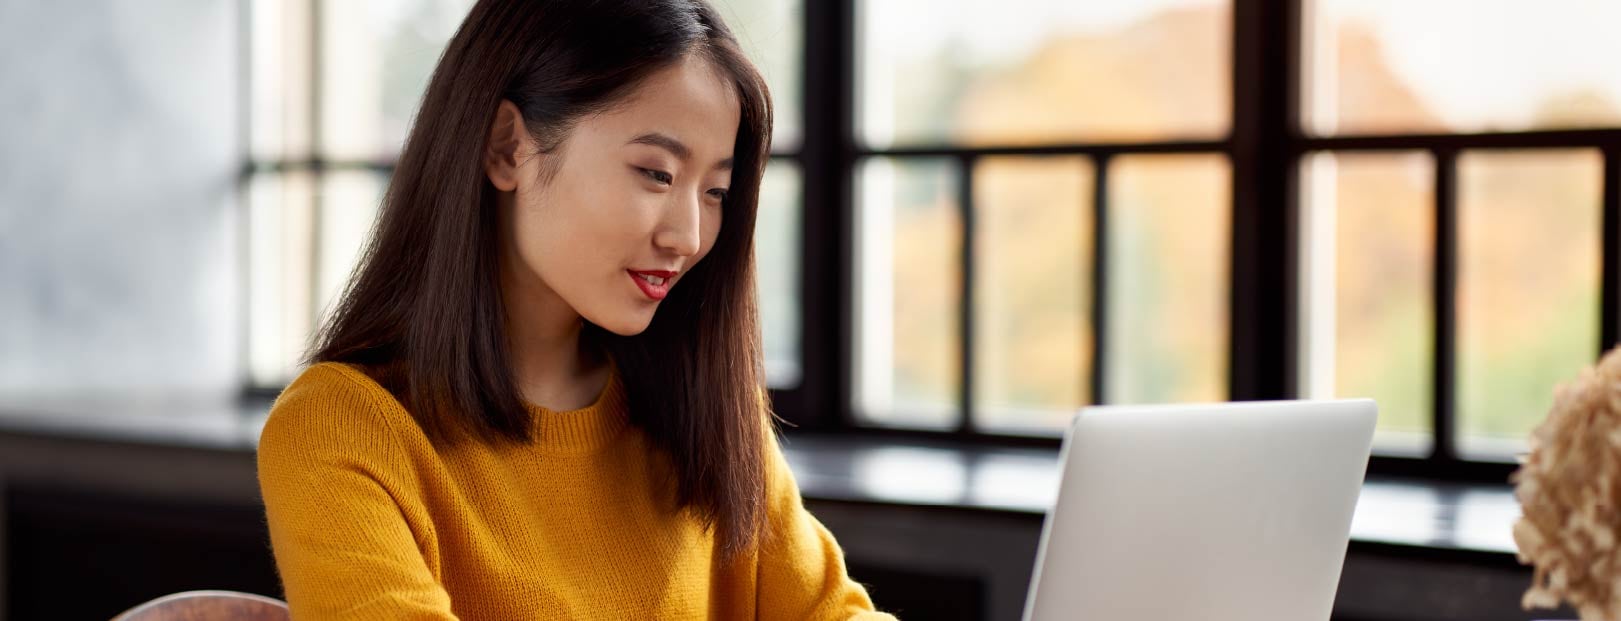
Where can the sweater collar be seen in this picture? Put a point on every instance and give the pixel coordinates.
(587, 429)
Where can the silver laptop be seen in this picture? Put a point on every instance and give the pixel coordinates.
(1202, 512)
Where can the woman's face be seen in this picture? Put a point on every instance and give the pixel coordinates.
(613, 218)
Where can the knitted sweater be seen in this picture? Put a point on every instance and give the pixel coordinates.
(369, 521)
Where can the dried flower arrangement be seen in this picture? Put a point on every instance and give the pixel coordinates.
(1569, 489)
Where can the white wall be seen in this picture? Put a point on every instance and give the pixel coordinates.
(118, 152)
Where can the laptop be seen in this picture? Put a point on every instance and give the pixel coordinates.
(1214, 512)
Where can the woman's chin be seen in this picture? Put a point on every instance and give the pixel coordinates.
(627, 323)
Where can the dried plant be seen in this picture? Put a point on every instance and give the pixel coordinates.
(1567, 489)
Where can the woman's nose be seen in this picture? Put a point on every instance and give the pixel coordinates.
(679, 230)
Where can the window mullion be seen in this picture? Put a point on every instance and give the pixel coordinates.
(1100, 277)
(965, 204)
(1610, 273)
(1445, 307)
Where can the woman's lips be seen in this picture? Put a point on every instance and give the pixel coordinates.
(653, 291)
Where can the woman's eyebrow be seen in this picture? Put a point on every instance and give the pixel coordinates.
(675, 147)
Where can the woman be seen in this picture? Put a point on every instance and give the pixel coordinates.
(540, 396)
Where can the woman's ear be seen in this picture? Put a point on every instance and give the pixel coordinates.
(508, 138)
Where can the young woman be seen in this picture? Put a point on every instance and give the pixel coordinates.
(541, 396)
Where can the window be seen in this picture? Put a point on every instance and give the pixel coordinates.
(1369, 263)
(981, 216)
(1455, 242)
(1028, 240)
(1049, 201)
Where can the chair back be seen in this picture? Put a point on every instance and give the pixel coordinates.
(208, 606)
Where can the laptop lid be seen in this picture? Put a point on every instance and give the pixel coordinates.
(1214, 512)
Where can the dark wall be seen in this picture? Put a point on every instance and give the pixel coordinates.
(77, 554)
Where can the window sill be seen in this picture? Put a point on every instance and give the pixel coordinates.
(1411, 513)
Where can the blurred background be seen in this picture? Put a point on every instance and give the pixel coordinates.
(978, 217)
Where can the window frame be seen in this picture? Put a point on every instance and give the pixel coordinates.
(1265, 148)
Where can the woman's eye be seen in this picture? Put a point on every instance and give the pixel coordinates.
(719, 194)
(657, 175)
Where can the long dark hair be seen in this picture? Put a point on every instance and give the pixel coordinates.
(423, 311)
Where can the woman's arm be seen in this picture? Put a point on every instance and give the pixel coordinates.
(802, 574)
(330, 472)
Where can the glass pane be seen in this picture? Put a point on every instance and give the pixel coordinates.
(1368, 259)
(1038, 71)
(1033, 288)
(908, 258)
(378, 56)
(776, 248)
(1528, 287)
(280, 248)
(279, 99)
(349, 203)
(772, 32)
(1169, 222)
(1460, 65)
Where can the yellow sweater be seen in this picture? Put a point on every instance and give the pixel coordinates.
(369, 521)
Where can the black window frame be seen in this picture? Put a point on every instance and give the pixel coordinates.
(1265, 147)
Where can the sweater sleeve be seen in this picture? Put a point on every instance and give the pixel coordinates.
(802, 573)
(333, 478)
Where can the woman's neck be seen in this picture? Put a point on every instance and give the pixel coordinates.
(558, 371)
(553, 365)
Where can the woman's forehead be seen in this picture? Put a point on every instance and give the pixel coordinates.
(689, 103)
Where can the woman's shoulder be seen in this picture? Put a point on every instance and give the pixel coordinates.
(336, 379)
(331, 400)
(331, 429)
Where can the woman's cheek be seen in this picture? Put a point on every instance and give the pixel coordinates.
(710, 235)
